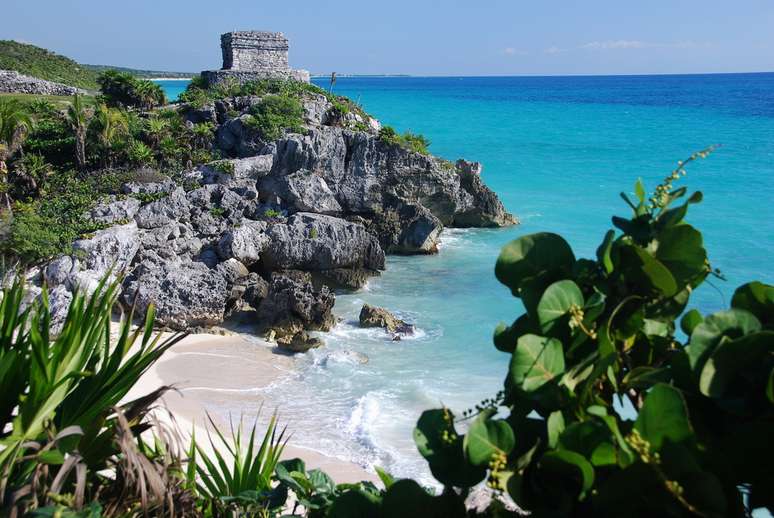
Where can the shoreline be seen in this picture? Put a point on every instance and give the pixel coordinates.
(235, 372)
(169, 78)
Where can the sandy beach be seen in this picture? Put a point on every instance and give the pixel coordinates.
(209, 371)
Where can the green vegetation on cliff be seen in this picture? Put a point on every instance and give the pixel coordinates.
(44, 64)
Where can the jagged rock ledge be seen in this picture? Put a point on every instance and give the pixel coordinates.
(16, 83)
(268, 235)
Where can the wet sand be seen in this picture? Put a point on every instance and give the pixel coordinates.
(213, 372)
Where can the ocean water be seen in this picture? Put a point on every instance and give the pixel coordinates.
(557, 150)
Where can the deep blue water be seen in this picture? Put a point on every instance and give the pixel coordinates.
(557, 150)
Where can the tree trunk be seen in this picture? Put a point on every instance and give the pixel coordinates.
(80, 149)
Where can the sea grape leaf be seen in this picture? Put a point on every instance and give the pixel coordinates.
(732, 357)
(644, 377)
(556, 302)
(355, 503)
(770, 386)
(758, 299)
(690, 320)
(446, 457)
(708, 334)
(592, 439)
(568, 466)
(487, 436)
(645, 273)
(603, 252)
(536, 361)
(664, 415)
(681, 250)
(505, 337)
(530, 255)
(555, 424)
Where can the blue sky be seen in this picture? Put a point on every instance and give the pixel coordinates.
(484, 37)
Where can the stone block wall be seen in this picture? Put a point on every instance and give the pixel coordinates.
(254, 51)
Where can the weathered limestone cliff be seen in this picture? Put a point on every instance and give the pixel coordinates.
(269, 234)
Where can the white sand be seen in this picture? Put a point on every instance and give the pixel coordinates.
(209, 370)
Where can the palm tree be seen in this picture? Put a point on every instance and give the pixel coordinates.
(78, 118)
(149, 94)
(111, 123)
(156, 129)
(15, 124)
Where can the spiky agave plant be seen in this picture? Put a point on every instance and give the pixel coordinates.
(236, 481)
(59, 396)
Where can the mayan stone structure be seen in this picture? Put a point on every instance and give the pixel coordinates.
(250, 55)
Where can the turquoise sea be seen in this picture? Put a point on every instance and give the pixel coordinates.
(557, 150)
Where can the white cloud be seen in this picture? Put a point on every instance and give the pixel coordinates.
(510, 51)
(554, 50)
(637, 44)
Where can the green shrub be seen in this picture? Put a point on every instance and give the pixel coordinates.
(276, 114)
(123, 90)
(272, 213)
(47, 226)
(411, 141)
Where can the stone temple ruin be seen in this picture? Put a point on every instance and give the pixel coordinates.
(250, 55)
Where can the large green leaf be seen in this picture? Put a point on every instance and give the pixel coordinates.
(690, 320)
(664, 415)
(487, 436)
(355, 503)
(530, 255)
(680, 249)
(556, 302)
(644, 273)
(407, 498)
(536, 361)
(758, 299)
(708, 334)
(592, 439)
(734, 357)
(445, 456)
(569, 466)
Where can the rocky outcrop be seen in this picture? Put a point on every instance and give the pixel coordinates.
(110, 250)
(15, 83)
(292, 305)
(317, 242)
(185, 293)
(299, 343)
(268, 231)
(372, 316)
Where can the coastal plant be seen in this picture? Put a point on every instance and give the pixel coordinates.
(235, 477)
(410, 141)
(59, 402)
(16, 121)
(606, 409)
(123, 90)
(78, 118)
(107, 125)
(276, 114)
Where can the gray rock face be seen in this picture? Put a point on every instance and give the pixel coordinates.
(115, 211)
(59, 299)
(317, 242)
(16, 83)
(372, 316)
(186, 294)
(245, 243)
(303, 191)
(109, 250)
(164, 211)
(370, 178)
(300, 342)
(292, 305)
